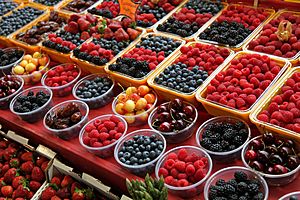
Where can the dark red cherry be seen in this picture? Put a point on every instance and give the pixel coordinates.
(285, 151)
(165, 127)
(250, 155)
(164, 116)
(278, 141)
(293, 162)
(279, 169)
(276, 159)
(180, 115)
(271, 149)
(188, 110)
(176, 104)
(262, 156)
(289, 143)
(268, 138)
(162, 108)
(179, 125)
(257, 144)
(257, 166)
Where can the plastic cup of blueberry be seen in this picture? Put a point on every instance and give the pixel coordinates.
(185, 170)
(223, 138)
(139, 151)
(291, 196)
(175, 120)
(236, 183)
(107, 139)
(274, 157)
(96, 90)
(66, 119)
(9, 57)
(32, 104)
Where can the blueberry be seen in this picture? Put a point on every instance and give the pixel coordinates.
(145, 154)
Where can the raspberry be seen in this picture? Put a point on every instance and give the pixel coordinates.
(287, 94)
(190, 170)
(269, 49)
(273, 107)
(287, 116)
(277, 115)
(121, 127)
(251, 99)
(103, 130)
(277, 99)
(182, 183)
(114, 119)
(264, 84)
(297, 128)
(169, 180)
(285, 48)
(200, 174)
(172, 156)
(182, 154)
(296, 87)
(86, 140)
(263, 117)
(199, 164)
(103, 136)
(118, 135)
(169, 164)
(291, 106)
(296, 112)
(174, 172)
(275, 122)
(89, 128)
(180, 166)
(112, 133)
(283, 106)
(163, 172)
(93, 134)
(240, 102)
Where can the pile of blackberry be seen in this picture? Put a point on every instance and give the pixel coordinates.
(239, 188)
(230, 33)
(18, 19)
(48, 2)
(93, 59)
(10, 56)
(178, 77)
(224, 136)
(31, 102)
(159, 43)
(131, 67)
(157, 11)
(111, 44)
(7, 6)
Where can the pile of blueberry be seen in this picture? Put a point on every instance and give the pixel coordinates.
(140, 150)
(10, 56)
(48, 2)
(159, 43)
(94, 88)
(230, 33)
(179, 78)
(131, 67)
(224, 136)
(240, 187)
(31, 101)
(6, 6)
(18, 19)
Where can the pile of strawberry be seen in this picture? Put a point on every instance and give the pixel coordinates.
(149, 13)
(269, 43)
(103, 132)
(112, 37)
(191, 17)
(206, 57)
(284, 109)
(78, 29)
(182, 169)
(108, 8)
(65, 187)
(243, 82)
(22, 172)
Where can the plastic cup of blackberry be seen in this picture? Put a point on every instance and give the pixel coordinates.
(44, 103)
(291, 196)
(227, 181)
(17, 54)
(227, 147)
(101, 95)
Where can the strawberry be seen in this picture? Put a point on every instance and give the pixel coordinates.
(28, 196)
(55, 198)
(7, 191)
(133, 34)
(74, 18)
(9, 153)
(56, 180)
(21, 191)
(127, 22)
(67, 181)
(121, 35)
(15, 162)
(27, 156)
(48, 193)
(83, 24)
(91, 18)
(10, 175)
(115, 25)
(17, 181)
(4, 169)
(34, 185)
(78, 195)
(93, 30)
(27, 167)
(75, 186)
(41, 159)
(37, 174)
(3, 144)
(44, 165)
(108, 33)
(63, 193)
(72, 27)
(84, 35)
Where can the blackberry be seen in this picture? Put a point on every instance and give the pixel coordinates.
(253, 188)
(205, 142)
(233, 182)
(175, 26)
(243, 133)
(30, 101)
(229, 134)
(229, 189)
(259, 196)
(207, 133)
(215, 148)
(238, 140)
(220, 190)
(243, 198)
(224, 144)
(239, 125)
(233, 197)
(220, 198)
(240, 176)
(231, 147)
(102, 12)
(220, 182)
(9, 56)
(242, 187)
(212, 194)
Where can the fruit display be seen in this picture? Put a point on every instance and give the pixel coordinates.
(8, 57)
(146, 56)
(135, 104)
(271, 41)
(62, 78)
(107, 8)
(17, 19)
(9, 87)
(65, 187)
(7, 6)
(283, 108)
(240, 186)
(235, 24)
(36, 33)
(23, 171)
(191, 17)
(150, 188)
(149, 13)
(48, 2)
(77, 30)
(272, 155)
(78, 6)
(109, 39)
(243, 81)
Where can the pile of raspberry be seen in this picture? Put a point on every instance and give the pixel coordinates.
(243, 82)
(183, 169)
(269, 43)
(284, 109)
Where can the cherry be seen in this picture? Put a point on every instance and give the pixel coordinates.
(250, 155)
(293, 162)
(176, 104)
(276, 159)
(165, 127)
(161, 109)
(278, 142)
(268, 138)
(179, 125)
(279, 169)
(188, 110)
(257, 166)
(271, 149)
(180, 115)
(262, 156)
(285, 151)
(257, 144)
(165, 116)
(289, 143)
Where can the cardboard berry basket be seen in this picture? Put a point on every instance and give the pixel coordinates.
(204, 26)
(62, 5)
(168, 93)
(127, 80)
(58, 168)
(93, 68)
(294, 60)
(40, 150)
(265, 102)
(54, 7)
(239, 46)
(217, 109)
(26, 46)
(7, 39)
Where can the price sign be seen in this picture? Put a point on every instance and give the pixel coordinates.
(128, 8)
